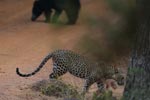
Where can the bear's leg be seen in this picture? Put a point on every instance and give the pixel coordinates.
(56, 16)
(47, 16)
(72, 15)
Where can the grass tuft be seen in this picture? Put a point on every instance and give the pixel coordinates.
(58, 89)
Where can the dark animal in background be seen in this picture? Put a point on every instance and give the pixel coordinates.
(71, 8)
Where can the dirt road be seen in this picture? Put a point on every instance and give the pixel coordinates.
(24, 43)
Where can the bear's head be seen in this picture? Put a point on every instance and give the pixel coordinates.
(36, 10)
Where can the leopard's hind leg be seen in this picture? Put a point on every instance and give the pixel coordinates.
(57, 71)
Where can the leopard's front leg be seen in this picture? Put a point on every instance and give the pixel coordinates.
(101, 86)
(87, 84)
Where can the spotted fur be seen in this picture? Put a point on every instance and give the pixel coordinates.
(67, 61)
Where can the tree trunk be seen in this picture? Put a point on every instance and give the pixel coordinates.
(138, 76)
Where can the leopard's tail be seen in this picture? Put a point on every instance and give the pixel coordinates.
(37, 70)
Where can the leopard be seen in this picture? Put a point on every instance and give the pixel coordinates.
(64, 61)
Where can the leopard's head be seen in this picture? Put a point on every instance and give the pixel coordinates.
(119, 77)
(115, 73)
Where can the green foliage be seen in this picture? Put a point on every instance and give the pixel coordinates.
(124, 31)
(126, 26)
(111, 38)
(117, 5)
(135, 70)
(121, 6)
(94, 48)
(104, 96)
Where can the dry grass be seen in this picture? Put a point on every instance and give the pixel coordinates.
(58, 89)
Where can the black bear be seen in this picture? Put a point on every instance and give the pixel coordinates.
(71, 8)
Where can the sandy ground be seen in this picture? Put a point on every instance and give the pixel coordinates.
(24, 43)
